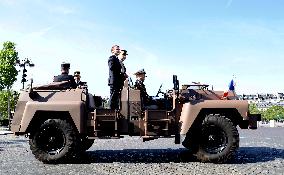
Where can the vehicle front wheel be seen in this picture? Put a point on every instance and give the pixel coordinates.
(54, 140)
(219, 139)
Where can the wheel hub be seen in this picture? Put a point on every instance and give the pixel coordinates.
(214, 139)
(51, 140)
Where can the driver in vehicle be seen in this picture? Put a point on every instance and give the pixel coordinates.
(64, 76)
(146, 100)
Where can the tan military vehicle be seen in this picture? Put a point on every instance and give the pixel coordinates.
(61, 122)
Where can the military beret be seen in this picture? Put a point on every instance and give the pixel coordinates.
(125, 52)
(139, 72)
(65, 65)
(77, 73)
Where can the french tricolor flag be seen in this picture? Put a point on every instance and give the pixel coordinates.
(232, 85)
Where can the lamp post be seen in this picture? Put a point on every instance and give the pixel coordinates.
(23, 64)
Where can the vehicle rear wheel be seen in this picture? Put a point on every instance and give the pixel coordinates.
(54, 141)
(217, 140)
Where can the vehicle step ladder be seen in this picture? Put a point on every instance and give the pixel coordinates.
(101, 116)
(149, 118)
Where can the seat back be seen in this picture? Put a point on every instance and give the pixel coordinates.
(91, 104)
(131, 96)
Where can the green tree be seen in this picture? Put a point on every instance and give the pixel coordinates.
(253, 109)
(8, 71)
(274, 113)
(4, 94)
(8, 75)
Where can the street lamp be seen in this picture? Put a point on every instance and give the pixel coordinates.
(23, 64)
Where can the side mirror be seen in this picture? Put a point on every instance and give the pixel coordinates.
(32, 81)
(32, 94)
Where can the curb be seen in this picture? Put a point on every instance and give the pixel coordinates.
(5, 131)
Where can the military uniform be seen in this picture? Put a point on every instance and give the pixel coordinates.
(139, 84)
(145, 98)
(123, 71)
(123, 68)
(65, 77)
(78, 81)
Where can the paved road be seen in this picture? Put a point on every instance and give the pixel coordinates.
(261, 152)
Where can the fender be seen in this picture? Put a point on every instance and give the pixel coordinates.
(75, 109)
(191, 110)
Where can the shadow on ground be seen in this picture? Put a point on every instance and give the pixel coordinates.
(244, 155)
(137, 156)
(257, 155)
(14, 143)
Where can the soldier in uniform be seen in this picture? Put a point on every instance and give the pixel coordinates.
(146, 100)
(116, 78)
(77, 78)
(122, 57)
(64, 76)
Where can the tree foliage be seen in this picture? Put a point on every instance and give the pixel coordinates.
(274, 113)
(253, 109)
(4, 102)
(8, 71)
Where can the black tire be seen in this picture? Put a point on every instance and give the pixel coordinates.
(217, 140)
(55, 140)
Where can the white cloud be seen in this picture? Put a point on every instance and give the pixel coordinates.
(37, 34)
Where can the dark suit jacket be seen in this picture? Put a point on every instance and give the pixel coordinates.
(115, 75)
(66, 77)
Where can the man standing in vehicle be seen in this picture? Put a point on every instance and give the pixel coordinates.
(116, 78)
(65, 77)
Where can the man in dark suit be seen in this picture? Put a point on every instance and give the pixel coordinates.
(65, 77)
(116, 78)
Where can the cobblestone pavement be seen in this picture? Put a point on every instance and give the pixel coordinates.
(261, 152)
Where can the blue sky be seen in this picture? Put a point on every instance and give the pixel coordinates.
(205, 41)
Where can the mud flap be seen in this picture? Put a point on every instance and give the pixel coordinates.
(253, 118)
(177, 138)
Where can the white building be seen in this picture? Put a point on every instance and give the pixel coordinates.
(264, 101)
